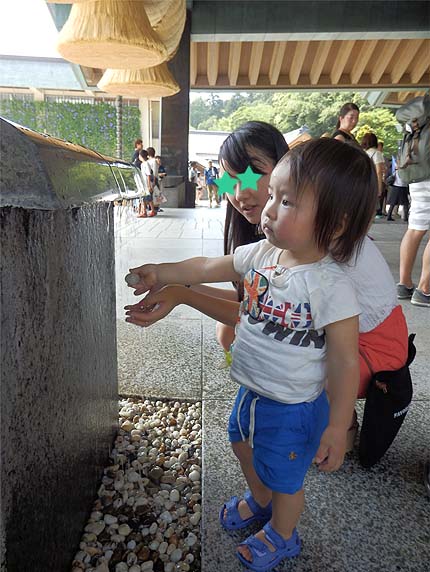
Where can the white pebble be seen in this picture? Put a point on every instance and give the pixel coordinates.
(174, 495)
(191, 539)
(153, 528)
(132, 279)
(110, 519)
(124, 530)
(194, 476)
(166, 517)
(195, 518)
(147, 566)
(176, 555)
(131, 545)
(162, 549)
(135, 568)
(121, 567)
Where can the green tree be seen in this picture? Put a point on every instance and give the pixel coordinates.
(382, 122)
(199, 112)
(256, 112)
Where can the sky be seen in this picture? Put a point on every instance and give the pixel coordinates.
(27, 29)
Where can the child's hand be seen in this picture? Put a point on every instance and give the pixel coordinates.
(332, 448)
(147, 275)
(154, 307)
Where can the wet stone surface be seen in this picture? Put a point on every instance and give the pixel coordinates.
(146, 517)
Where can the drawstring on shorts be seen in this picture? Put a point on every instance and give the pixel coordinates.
(251, 418)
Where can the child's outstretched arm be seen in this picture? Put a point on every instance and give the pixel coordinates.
(191, 271)
(343, 373)
(159, 304)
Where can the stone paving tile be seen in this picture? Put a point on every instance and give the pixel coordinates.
(355, 520)
(157, 362)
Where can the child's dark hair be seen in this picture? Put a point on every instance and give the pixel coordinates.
(344, 110)
(252, 141)
(344, 181)
(369, 141)
(151, 151)
(138, 142)
(144, 154)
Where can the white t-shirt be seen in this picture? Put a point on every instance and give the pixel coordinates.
(146, 172)
(373, 284)
(376, 156)
(280, 348)
(154, 166)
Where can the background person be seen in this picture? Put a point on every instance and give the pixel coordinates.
(138, 146)
(369, 143)
(146, 201)
(347, 121)
(211, 174)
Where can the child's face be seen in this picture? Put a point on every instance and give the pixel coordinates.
(287, 219)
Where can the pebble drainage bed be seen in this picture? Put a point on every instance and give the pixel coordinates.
(148, 508)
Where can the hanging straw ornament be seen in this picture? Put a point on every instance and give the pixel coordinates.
(171, 26)
(110, 33)
(150, 82)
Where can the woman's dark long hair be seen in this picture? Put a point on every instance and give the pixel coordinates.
(251, 141)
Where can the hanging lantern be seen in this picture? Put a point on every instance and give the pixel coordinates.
(149, 82)
(171, 26)
(110, 33)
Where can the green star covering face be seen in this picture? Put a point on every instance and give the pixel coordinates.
(226, 184)
(249, 179)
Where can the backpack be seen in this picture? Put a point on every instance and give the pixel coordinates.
(414, 153)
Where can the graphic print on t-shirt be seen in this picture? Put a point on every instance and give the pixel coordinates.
(288, 316)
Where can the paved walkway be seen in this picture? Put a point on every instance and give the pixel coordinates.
(355, 520)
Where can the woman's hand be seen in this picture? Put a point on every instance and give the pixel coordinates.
(155, 306)
(147, 275)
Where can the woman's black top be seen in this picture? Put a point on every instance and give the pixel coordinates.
(344, 134)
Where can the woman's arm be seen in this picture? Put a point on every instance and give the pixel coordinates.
(158, 305)
(343, 373)
(380, 168)
(223, 293)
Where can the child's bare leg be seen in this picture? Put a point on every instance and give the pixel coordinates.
(286, 511)
(260, 492)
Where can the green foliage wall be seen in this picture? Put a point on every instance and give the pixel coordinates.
(92, 125)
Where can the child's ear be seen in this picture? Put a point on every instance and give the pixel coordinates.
(341, 228)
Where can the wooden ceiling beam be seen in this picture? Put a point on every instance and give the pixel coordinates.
(409, 50)
(298, 59)
(276, 62)
(212, 62)
(193, 63)
(235, 49)
(319, 61)
(421, 64)
(363, 57)
(343, 53)
(403, 95)
(383, 58)
(255, 62)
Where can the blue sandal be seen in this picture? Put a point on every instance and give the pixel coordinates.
(233, 520)
(264, 559)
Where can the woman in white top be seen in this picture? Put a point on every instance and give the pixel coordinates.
(370, 145)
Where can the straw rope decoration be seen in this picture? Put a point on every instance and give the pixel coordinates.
(150, 82)
(111, 33)
(155, 81)
(171, 26)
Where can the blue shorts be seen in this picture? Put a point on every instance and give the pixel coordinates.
(285, 437)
